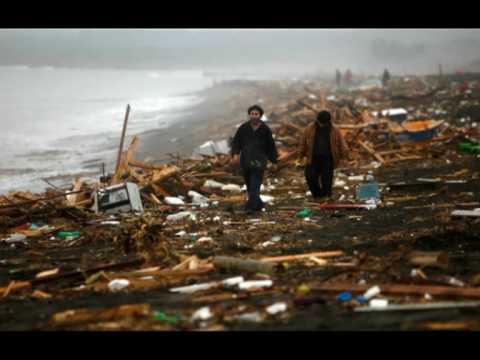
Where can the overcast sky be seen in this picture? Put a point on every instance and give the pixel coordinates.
(362, 50)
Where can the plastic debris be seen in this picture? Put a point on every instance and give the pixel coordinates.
(161, 316)
(267, 198)
(344, 296)
(68, 234)
(202, 314)
(15, 238)
(277, 308)
(115, 223)
(368, 191)
(197, 198)
(213, 184)
(360, 299)
(255, 284)
(193, 288)
(170, 200)
(249, 317)
(378, 303)
(233, 281)
(180, 216)
(232, 187)
(304, 213)
(356, 178)
(118, 284)
(372, 292)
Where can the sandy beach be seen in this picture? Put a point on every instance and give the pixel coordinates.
(225, 106)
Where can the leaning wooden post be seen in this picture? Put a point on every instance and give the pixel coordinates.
(122, 137)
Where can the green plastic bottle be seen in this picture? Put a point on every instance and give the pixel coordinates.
(66, 234)
(161, 316)
(304, 213)
(469, 147)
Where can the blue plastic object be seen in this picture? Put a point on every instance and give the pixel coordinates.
(344, 296)
(360, 299)
(368, 191)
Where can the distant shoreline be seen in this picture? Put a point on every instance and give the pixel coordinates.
(191, 129)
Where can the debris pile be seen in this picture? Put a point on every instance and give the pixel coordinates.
(399, 234)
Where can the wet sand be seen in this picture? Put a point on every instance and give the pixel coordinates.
(225, 106)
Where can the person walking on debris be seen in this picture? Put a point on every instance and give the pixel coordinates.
(385, 78)
(338, 77)
(348, 77)
(324, 146)
(252, 147)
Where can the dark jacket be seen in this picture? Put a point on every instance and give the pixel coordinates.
(254, 147)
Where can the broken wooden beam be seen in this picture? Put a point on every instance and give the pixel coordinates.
(122, 138)
(72, 198)
(247, 265)
(371, 151)
(165, 173)
(286, 258)
(429, 258)
(42, 199)
(122, 165)
(69, 274)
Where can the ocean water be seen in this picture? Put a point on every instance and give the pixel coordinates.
(57, 122)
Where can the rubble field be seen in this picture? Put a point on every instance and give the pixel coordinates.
(405, 257)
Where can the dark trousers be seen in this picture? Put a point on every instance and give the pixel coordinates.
(253, 181)
(321, 166)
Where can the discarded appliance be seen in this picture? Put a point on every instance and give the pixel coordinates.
(118, 198)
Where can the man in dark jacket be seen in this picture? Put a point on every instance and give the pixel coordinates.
(252, 147)
(385, 78)
(338, 78)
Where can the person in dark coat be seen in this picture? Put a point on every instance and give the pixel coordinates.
(252, 147)
(385, 78)
(338, 78)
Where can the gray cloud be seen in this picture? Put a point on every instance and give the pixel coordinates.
(365, 50)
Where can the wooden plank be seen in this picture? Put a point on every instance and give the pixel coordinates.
(322, 254)
(74, 273)
(159, 191)
(211, 174)
(143, 165)
(413, 157)
(123, 164)
(293, 127)
(241, 265)
(155, 199)
(30, 202)
(371, 151)
(100, 315)
(14, 285)
(122, 138)
(72, 199)
(429, 258)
